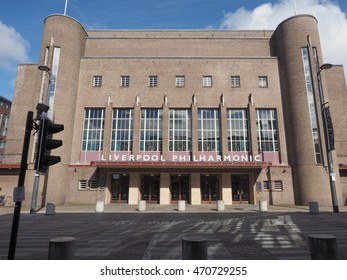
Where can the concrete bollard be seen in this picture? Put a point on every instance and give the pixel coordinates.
(141, 205)
(323, 246)
(220, 205)
(181, 205)
(100, 206)
(194, 248)
(263, 206)
(62, 248)
(50, 209)
(314, 207)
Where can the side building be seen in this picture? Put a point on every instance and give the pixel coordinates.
(194, 115)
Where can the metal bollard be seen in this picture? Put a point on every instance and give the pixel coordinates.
(62, 248)
(323, 246)
(314, 207)
(194, 248)
(50, 209)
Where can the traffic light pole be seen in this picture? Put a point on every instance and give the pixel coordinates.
(18, 194)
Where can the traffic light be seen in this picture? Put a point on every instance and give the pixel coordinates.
(45, 144)
(329, 128)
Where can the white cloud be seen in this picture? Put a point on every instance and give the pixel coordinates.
(332, 23)
(13, 48)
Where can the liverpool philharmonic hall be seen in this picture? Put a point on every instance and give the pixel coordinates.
(194, 115)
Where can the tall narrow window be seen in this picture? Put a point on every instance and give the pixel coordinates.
(312, 106)
(122, 128)
(208, 130)
(238, 139)
(93, 130)
(53, 81)
(180, 130)
(267, 130)
(151, 130)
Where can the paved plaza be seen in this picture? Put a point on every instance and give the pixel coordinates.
(240, 232)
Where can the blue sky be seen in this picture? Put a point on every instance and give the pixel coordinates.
(21, 22)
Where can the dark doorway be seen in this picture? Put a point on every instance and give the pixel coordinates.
(179, 188)
(150, 188)
(120, 188)
(209, 188)
(240, 188)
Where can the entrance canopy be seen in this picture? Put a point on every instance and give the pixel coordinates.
(165, 166)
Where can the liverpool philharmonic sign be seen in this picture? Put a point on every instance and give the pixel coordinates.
(183, 158)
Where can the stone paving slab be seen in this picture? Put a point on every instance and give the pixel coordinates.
(124, 233)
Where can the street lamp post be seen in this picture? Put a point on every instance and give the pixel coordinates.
(328, 135)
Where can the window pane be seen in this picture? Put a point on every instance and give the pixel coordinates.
(93, 131)
(209, 139)
(267, 130)
(238, 137)
(122, 130)
(180, 133)
(151, 130)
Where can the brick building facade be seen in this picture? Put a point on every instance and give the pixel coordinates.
(195, 115)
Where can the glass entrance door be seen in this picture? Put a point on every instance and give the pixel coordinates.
(150, 188)
(240, 188)
(179, 188)
(120, 188)
(209, 188)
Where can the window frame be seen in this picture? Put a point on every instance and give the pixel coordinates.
(263, 82)
(180, 135)
(180, 81)
(152, 81)
(237, 79)
(151, 130)
(207, 81)
(278, 185)
(97, 80)
(238, 125)
(93, 129)
(118, 129)
(125, 80)
(209, 130)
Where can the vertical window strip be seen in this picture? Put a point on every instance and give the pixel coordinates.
(53, 81)
(316, 141)
(93, 131)
(238, 139)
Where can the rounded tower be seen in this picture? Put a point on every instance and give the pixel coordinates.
(296, 43)
(63, 45)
